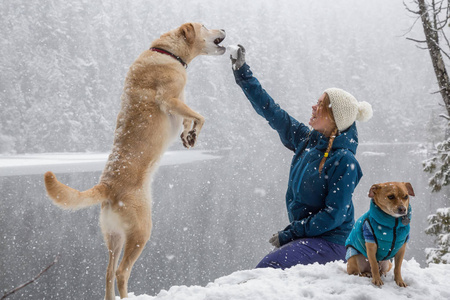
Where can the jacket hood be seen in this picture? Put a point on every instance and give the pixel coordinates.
(347, 139)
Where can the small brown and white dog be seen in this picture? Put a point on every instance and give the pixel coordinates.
(151, 115)
(381, 233)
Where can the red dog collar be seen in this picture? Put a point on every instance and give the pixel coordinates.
(170, 54)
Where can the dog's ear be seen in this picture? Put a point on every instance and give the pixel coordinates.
(409, 188)
(372, 190)
(187, 31)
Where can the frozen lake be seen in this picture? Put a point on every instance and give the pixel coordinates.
(213, 214)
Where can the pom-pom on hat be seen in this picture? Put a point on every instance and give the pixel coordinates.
(346, 109)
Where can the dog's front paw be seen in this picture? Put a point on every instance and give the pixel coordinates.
(400, 282)
(189, 138)
(184, 139)
(377, 281)
(192, 137)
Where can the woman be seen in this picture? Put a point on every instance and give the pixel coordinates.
(324, 171)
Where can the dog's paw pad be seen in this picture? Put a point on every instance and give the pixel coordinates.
(191, 137)
(184, 140)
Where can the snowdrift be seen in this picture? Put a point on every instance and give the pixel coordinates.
(315, 281)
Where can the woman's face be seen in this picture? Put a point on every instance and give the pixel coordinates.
(320, 121)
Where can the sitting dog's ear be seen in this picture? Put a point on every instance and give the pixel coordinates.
(372, 190)
(409, 188)
(187, 31)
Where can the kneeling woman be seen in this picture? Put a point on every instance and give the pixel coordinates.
(324, 171)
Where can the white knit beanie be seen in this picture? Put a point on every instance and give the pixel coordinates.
(346, 109)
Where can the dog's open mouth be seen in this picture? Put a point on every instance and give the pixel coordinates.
(215, 48)
(218, 41)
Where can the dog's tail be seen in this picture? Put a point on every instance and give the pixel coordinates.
(69, 198)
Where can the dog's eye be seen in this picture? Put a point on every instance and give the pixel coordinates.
(406, 197)
(391, 197)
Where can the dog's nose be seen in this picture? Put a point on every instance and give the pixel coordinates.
(401, 210)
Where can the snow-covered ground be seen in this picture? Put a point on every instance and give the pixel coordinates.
(301, 282)
(29, 164)
(315, 281)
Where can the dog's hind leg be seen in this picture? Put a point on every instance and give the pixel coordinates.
(114, 242)
(133, 248)
(385, 266)
(352, 266)
(358, 265)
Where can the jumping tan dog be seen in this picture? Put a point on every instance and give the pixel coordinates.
(151, 115)
(381, 233)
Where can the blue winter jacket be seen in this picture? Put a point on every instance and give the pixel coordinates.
(389, 233)
(318, 205)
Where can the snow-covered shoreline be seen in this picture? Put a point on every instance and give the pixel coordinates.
(74, 162)
(315, 281)
(30, 164)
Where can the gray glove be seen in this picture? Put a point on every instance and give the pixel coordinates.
(238, 61)
(275, 241)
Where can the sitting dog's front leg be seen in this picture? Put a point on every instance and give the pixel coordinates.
(398, 266)
(372, 257)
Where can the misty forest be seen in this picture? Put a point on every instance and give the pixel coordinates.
(62, 68)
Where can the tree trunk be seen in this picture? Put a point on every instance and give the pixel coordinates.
(432, 38)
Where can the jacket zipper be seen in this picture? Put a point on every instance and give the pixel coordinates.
(393, 241)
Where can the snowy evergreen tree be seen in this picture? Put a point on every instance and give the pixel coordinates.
(439, 166)
(439, 222)
(439, 226)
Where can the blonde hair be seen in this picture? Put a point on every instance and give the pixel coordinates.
(326, 110)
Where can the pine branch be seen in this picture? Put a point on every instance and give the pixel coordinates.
(9, 293)
(414, 40)
(445, 117)
(423, 48)
(437, 92)
(410, 10)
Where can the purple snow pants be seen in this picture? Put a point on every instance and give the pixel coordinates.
(303, 251)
